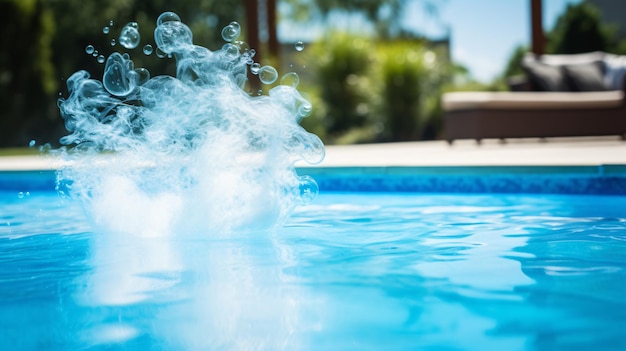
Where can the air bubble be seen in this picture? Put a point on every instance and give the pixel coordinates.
(95, 53)
(160, 53)
(255, 67)
(291, 79)
(20, 195)
(89, 49)
(231, 32)
(118, 79)
(308, 189)
(129, 37)
(268, 74)
(113, 42)
(231, 51)
(100, 59)
(167, 17)
(111, 23)
(173, 37)
(299, 46)
(32, 143)
(148, 49)
(106, 30)
(143, 75)
(242, 45)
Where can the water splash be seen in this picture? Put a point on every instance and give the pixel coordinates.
(194, 151)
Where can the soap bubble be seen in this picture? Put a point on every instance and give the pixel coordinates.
(231, 32)
(129, 37)
(167, 17)
(292, 79)
(268, 74)
(89, 49)
(147, 49)
(299, 46)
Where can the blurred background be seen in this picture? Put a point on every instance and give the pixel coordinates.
(375, 70)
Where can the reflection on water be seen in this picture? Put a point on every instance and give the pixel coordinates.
(351, 272)
(197, 294)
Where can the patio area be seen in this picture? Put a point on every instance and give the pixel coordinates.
(582, 151)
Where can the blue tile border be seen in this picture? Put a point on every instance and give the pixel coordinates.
(28, 180)
(599, 180)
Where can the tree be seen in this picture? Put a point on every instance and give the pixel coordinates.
(580, 30)
(383, 14)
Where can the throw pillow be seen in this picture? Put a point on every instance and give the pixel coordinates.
(585, 76)
(615, 67)
(544, 77)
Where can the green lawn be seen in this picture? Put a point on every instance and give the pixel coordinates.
(19, 151)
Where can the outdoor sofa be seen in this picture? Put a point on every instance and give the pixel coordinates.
(560, 95)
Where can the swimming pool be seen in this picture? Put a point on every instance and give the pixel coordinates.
(374, 263)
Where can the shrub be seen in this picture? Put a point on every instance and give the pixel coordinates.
(342, 67)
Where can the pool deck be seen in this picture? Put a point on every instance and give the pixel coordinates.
(586, 151)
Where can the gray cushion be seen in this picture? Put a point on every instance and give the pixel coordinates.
(544, 77)
(585, 76)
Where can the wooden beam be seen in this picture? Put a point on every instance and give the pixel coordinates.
(537, 36)
(273, 45)
(252, 37)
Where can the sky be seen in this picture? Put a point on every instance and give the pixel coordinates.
(483, 33)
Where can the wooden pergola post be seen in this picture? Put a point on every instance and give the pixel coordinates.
(252, 36)
(253, 28)
(273, 44)
(538, 39)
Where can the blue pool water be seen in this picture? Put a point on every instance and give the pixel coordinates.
(351, 271)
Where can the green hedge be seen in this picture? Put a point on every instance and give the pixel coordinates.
(370, 91)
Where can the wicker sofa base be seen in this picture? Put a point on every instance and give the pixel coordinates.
(488, 119)
(503, 124)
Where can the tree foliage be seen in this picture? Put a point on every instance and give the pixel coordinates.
(43, 43)
(383, 14)
(580, 29)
